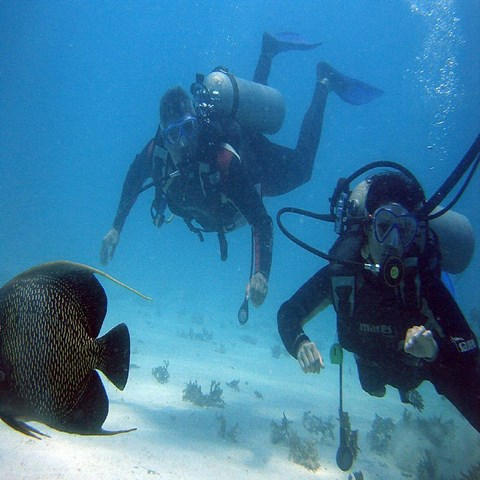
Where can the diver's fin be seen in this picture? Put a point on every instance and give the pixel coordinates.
(357, 92)
(349, 89)
(285, 41)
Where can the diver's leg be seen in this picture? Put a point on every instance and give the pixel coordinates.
(285, 169)
(262, 71)
(273, 44)
(461, 385)
(350, 90)
(310, 133)
(371, 377)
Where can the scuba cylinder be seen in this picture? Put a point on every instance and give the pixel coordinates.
(456, 239)
(255, 106)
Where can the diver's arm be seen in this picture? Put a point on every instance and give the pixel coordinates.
(250, 204)
(456, 340)
(308, 300)
(139, 170)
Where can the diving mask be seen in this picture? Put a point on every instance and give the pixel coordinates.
(184, 129)
(392, 219)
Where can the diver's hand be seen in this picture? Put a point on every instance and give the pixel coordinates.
(420, 343)
(109, 243)
(257, 289)
(309, 358)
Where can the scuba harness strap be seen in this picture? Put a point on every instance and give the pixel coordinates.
(210, 180)
(222, 240)
(198, 231)
(343, 294)
(161, 164)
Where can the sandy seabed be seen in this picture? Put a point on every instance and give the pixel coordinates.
(176, 439)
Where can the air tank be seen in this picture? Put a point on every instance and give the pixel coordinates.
(456, 239)
(255, 106)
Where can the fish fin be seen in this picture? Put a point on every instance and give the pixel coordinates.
(69, 281)
(116, 432)
(79, 279)
(24, 428)
(89, 412)
(115, 362)
(68, 265)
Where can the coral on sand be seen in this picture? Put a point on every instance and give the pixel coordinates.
(380, 436)
(161, 373)
(301, 451)
(193, 393)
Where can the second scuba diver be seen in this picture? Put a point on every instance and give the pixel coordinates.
(211, 167)
(393, 311)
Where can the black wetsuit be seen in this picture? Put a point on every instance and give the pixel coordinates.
(218, 189)
(280, 169)
(372, 320)
(215, 195)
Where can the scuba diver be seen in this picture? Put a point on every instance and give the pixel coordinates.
(211, 163)
(384, 280)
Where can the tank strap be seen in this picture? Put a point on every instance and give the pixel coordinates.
(236, 95)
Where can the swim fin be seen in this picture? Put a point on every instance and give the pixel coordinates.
(285, 41)
(349, 89)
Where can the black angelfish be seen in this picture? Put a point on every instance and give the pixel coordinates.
(50, 318)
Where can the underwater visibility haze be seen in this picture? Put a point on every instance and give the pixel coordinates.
(80, 85)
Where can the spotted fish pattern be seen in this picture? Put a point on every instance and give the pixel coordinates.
(50, 319)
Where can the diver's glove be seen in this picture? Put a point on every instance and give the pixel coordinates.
(257, 289)
(309, 357)
(420, 343)
(109, 244)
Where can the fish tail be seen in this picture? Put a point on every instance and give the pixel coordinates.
(115, 361)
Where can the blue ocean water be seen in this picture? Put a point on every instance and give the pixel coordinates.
(80, 83)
